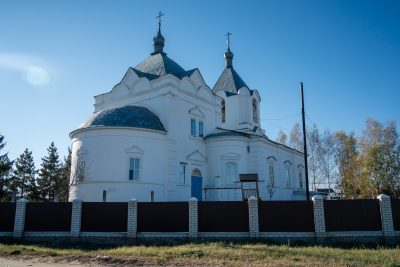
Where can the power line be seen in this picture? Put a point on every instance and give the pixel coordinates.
(278, 126)
(282, 118)
(309, 119)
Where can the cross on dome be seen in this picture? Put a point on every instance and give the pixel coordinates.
(160, 14)
(228, 35)
(228, 54)
(158, 40)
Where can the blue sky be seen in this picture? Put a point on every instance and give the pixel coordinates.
(56, 55)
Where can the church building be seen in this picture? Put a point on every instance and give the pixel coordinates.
(162, 134)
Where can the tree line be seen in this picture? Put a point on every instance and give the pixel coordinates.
(20, 178)
(358, 166)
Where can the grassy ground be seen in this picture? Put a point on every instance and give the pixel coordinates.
(209, 254)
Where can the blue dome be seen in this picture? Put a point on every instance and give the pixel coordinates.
(126, 116)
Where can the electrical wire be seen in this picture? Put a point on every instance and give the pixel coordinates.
(281, 118)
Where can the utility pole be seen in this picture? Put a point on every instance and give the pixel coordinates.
(304, 141)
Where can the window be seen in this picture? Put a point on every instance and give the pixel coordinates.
(183, 173)
(255, 110)
(271, 175)
(223, 111)
(301, 179)
(287, 175)
(201, 129)
(152, 196)
(134, 167)
(80, 171)
(193, 127)
(231, 172)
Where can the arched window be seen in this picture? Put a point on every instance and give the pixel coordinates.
(80, 171)
(255, 110)
(288, 165)
(231, 172)
(196, 172)
(300, 169)
(271, 175)
(301, 179)
(223, 110)
(271, 186)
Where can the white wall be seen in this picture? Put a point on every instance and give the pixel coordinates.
(106, 153)
(254, 160)
(175, 102)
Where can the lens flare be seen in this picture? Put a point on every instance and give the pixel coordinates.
(37, 76)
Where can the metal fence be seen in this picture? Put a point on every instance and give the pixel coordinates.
(104, 216)
(352, 215)
(48, 216)
(286, 216)
(223, 216)
(396, 214)
(163, 217)
(7, 216)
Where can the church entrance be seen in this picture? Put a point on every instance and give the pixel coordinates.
(197, 184)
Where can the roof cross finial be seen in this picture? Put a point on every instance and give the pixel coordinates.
(159, 39)
(228, 54)
(159, 18)
(228, 35)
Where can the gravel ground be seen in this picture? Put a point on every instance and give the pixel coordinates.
(38, 262)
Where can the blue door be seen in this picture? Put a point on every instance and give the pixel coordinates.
(197, 187)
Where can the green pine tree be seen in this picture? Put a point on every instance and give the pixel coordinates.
(24, 176)
(50, 174)
(63, 188)
(5, 168)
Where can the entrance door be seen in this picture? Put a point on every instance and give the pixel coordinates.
(197, 185)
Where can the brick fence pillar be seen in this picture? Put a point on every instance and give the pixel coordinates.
(319, 218)
(386, 218)
(193, 218)
(19, 222)
(76, 219)
(132, 219)
(253, 217)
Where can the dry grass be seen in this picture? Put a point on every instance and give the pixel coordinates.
(214, 254)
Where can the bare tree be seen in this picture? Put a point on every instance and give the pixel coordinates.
(282, 138)
(314, 154)
(296, 138)
(328, 164)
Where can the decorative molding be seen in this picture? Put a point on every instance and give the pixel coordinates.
(230, 156)
(196, 156)
(300, 167)
(196, 111)
(271, 159)
(288, 163)
(134, 150)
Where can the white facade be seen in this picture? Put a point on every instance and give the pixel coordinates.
(121, 158)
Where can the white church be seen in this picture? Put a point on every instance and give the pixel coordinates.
(162, 134)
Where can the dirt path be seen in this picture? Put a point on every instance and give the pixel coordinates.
(39, 262)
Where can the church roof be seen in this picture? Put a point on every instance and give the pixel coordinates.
(229, 81)
(226, 133)
(159, 64)
(126, 116)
